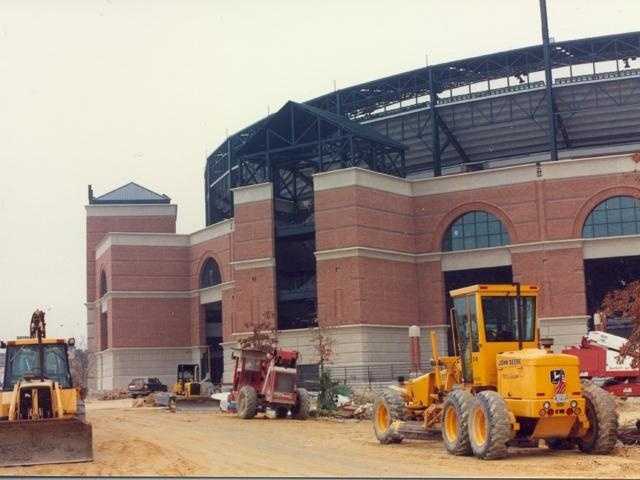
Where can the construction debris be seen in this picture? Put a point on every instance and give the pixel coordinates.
(629, 436)
(118, 394)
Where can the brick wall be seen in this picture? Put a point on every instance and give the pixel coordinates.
(99, 226)
(388, 215)
(253, 297)
(146, 322)
(357, 216)
(149, 268)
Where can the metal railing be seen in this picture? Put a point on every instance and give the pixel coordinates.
(359, 374)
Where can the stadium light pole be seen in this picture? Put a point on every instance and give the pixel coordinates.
(546, 47)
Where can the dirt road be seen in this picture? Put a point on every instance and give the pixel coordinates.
(145, 441)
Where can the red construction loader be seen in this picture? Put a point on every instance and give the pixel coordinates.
(268, 379)
(600, 361)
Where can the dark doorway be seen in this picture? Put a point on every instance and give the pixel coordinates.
(603, 275)
(465, 278)
(213, 332)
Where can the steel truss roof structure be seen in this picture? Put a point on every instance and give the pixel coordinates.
(466, 126)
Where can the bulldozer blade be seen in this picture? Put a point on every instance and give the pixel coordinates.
(37, 442)
(196, 404)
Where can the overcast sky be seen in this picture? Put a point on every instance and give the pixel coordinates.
(104, 92)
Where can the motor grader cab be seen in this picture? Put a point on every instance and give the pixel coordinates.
(188, 394)
(41, 412)
(500, 388)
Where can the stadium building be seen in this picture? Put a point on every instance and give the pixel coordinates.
(357, 211)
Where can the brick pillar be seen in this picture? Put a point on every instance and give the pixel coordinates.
(431, 296)
(562, 305)
(102, 219)
(253, 261)
(366, 270)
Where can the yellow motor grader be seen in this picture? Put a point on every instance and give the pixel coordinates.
(500, 388)
(42, 416)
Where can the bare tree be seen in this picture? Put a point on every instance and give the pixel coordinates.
(323, 344)
(263, 336)
(80, 364)
(625, 302)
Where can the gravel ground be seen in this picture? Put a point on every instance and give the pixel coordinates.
(151, 441)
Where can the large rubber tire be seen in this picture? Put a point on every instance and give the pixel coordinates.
(301, 409)
(601, 411)
(282, 412)
(489, 426)
(387, 408)
(455, 421)
(247, 402)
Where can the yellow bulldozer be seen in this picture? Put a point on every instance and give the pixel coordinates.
(42, 416)
(188, 393)
(501, 388)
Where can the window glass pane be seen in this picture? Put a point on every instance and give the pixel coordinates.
(599, 216)
(475, 230)
(469, 230)
(482, 241)
(627, 202)
(615, 229)
(614, 216)
(210, 275)
(600, 230)
(613, 203)
(495, 240)
(481, 217)
(628, 214)
(494, 227)
(501, 318)
(629, 228)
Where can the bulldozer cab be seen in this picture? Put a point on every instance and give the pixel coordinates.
(488, 320)
(188, 373)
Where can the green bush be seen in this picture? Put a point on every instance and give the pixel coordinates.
(344, 390)
(328, 396)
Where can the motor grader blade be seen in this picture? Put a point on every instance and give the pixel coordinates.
(37, 442)
(195, 403)
(414, 430)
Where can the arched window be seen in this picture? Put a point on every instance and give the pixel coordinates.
(475, 229)
(103, 283)
(210, 274)
(615, 216)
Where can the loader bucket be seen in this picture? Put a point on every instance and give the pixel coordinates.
(197, 403)
(36, 442)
